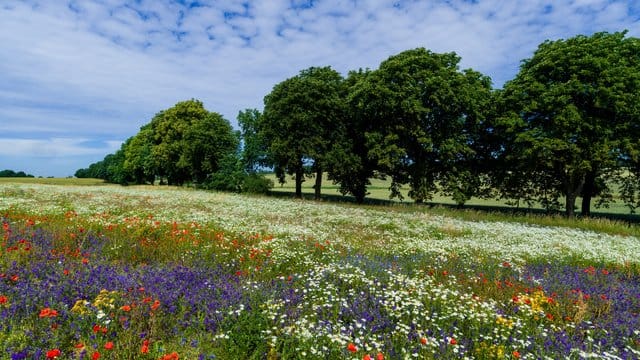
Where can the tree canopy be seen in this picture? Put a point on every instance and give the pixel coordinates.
(568, 114)
(298, 123)
(566, 127)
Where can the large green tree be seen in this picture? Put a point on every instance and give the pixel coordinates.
(348, 162)
(566, 115)
(188, 142)
(298, 123)
(424, 112)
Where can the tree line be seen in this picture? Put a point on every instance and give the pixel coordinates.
(11, 173)
(566, 127)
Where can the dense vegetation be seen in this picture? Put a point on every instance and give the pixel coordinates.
(10, 173)
(567, 126)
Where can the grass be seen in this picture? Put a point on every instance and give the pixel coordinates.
(52, 181)
(159, 273)
(613, 220)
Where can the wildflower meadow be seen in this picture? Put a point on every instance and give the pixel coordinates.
(107, 272)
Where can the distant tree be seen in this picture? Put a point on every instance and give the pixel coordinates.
(11, 173)
(568, 114)
(188, 142)
(426, 112)
(299, 117)
(137, 157)
(206, 143)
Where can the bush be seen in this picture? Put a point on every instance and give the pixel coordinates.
(256, 184)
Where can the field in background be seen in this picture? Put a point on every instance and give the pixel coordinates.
(379, 193)
(52, 181)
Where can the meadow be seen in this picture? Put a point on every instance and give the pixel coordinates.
(109, 272)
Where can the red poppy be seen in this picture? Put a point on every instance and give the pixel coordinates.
(53, 354)
(108, 345)
(172, 356)
(379, 356)
(145, 347)
(3, 299)
(366, 357)
(126, 308)
(516, 354)
(155, 305)
(95, 356)
(48, 312)
(453, 341)
(423, 340)
(352, 348)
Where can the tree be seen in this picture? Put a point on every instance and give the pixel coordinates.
(348, 162)
(424, 112)
(206, 143)
(298, 120)
(188, 142)
(567, 113)
(137, 157)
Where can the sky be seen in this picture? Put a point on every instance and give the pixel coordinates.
(78, 77)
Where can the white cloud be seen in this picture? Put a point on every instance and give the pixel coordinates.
(55, 147)
(101, 69)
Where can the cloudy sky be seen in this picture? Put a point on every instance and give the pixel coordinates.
(78, 77)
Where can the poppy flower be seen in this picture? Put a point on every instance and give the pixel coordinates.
(155, 305)
(516, 354)
(48, 312)
(453, 341)
(108, 345)
(380, 356)
(53, 353)
(423, 340)
(3, 299)
(144, 349)
(172, 356)
(95, 356)
(352, 348)
(126, 308)
(366, 357)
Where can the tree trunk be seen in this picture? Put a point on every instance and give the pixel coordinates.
(587, 193)
(573, 188)
(318, 186)
(299, 179)
(570, 204)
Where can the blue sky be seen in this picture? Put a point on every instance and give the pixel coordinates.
(79, 77)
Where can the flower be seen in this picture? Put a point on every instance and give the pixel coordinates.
(366, 357)
(53, 353)
(48, 312)
(155, 305)
(380, 356)
(3, 299)
(423, 340)
(126, 308)
(352, 348)
(516, 354)
(108, 345)
(95, 356)
(172, 356)
(144, 349)
(453, 341)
